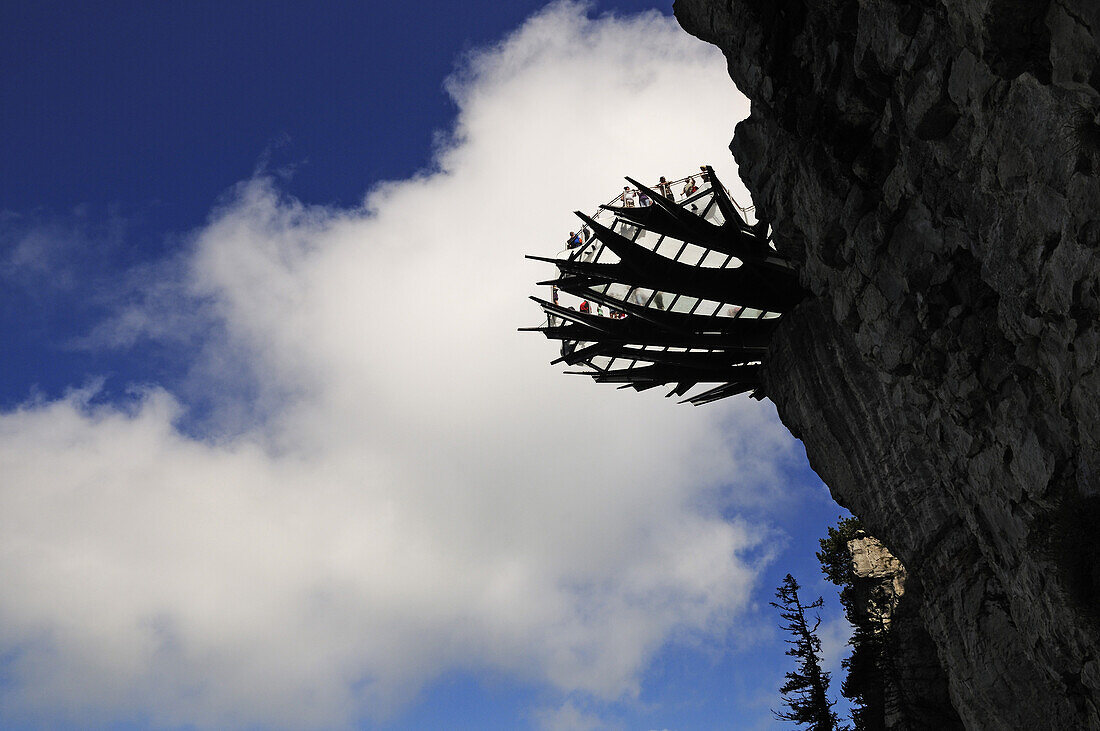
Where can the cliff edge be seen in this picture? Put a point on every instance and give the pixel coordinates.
(933, 166)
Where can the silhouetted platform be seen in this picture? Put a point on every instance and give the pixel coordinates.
(681, 292)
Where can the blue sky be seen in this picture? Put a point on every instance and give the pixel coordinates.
(274, 455)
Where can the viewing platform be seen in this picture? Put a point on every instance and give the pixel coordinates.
(674, 285)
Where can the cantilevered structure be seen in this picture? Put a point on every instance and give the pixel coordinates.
(673, 290)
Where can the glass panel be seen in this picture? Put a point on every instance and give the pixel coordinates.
(727, 310)
(680, 253)
(714, 259)
(684, 304)
(606, 256)
(625, 229)
(601, 361)
(669, 247)
(618, 291)
(661, 300)
(707, 307)
(714, 215)
(749, 313)
(651, 243)
(692, 254)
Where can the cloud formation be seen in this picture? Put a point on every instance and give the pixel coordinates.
(416, 491)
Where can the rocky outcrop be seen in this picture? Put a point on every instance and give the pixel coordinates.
(893, 668)
(879, 579)
(933, 167)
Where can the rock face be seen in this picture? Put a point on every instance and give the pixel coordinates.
(903, 680)
(933, 165)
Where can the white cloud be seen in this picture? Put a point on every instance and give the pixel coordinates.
(423, 493)
(567, 717)
(835, 634)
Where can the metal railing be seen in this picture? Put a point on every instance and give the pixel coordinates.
(676, 188)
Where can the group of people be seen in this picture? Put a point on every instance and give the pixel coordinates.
(627, 198)
(664, 188)
(586, 308)
(611, 311)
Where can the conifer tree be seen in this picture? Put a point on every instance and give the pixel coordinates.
(806, 691)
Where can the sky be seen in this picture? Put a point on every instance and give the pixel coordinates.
(273, 454)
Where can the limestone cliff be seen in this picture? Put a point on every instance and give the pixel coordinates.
(933, 166)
